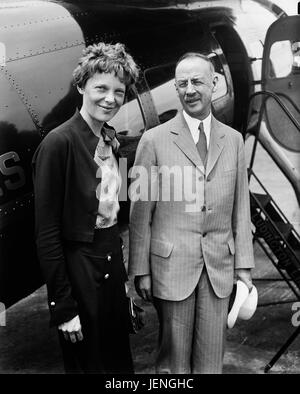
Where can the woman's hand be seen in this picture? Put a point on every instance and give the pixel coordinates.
(72, 330)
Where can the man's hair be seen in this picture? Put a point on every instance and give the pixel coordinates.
(106, 58)
(190, 55)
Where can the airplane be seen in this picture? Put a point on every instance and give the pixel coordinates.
(41, 41)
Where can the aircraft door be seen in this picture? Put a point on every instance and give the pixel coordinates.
(281, 75)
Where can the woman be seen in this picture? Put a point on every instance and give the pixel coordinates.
(77, 182)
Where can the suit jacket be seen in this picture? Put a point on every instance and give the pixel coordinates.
(66, 206)
(168, 238)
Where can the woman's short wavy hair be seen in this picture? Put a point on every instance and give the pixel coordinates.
(106, 58)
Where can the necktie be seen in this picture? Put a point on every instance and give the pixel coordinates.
(202, 144)
(109, 137)
(108, 133)
(105, 144)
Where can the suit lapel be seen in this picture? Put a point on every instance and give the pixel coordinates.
(216, 145)
(182, 137)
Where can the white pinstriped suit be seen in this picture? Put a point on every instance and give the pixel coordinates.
(171, 244)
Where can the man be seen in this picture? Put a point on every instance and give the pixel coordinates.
(185, 254)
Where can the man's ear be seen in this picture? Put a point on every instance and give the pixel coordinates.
(80, 90)
(215, 83)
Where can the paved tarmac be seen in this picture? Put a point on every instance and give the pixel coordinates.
(28, 346)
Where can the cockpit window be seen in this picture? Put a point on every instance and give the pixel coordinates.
(284, 59)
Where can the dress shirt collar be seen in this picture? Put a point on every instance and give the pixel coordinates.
(193, 124)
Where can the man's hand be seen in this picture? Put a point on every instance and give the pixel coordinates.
(72, 330)
(143, 286)
(244, 274)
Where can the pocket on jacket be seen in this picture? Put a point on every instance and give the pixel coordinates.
(231, 246)
(161, 248)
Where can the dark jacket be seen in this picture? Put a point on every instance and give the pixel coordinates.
(66, 206)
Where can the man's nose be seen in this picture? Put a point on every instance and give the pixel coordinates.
(190, 87)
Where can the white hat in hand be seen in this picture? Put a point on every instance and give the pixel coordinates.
(249, 306)
(243, 302)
